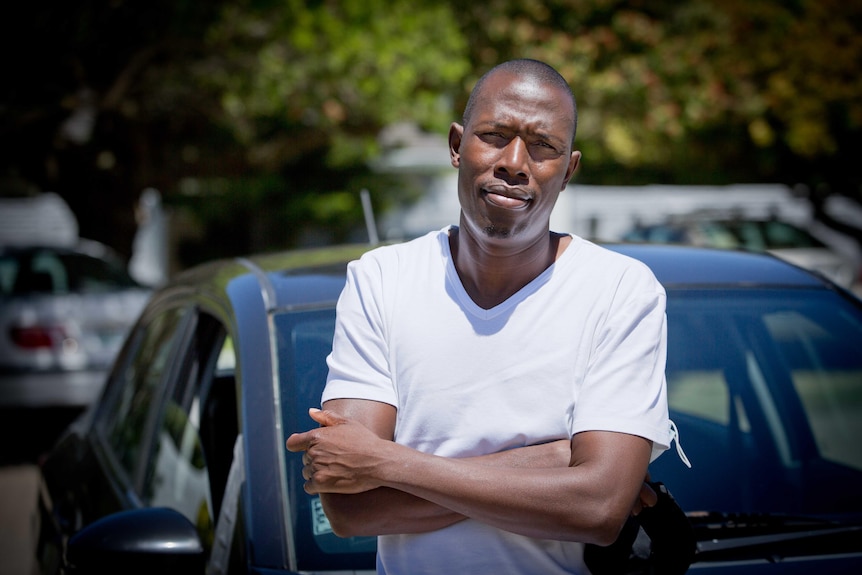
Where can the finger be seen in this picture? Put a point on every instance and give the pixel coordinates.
(326, 418)
(309, 487)
(297, 442)
(648, 497)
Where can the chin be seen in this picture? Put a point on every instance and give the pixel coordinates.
(493, 231)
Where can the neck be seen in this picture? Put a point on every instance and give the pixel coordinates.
(491, 276)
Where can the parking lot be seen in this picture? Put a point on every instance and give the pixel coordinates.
(19, 521)
(24, 435)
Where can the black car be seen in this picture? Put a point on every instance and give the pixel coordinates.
(181, 466)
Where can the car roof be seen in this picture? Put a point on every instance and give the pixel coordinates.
(313, 277)
(294, 278)
(678, 266)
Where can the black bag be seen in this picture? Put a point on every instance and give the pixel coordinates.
(657, 541)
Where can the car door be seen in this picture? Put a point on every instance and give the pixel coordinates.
(162, 435)
(94, 469)
(183, 466)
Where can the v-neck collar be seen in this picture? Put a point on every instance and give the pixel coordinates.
(472, 307)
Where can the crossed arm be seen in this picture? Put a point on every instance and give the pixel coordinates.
(581, 490)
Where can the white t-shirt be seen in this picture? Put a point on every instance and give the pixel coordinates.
(581, 347)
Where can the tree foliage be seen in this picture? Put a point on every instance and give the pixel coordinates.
(299, 78)
(720, 90)
(304, 90)
(259, 117)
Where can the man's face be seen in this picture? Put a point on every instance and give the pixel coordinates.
(514, 157)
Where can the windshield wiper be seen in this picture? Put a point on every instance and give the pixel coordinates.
(735, 536)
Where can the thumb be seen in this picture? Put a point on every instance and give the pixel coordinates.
(325, 417)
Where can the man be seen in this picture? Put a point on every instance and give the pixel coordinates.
(496, 390)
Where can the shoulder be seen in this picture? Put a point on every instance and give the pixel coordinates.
(414, 252)
(388, 267)
(607, 265)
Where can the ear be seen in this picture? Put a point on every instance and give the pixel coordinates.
(574, 161)
(456, 132)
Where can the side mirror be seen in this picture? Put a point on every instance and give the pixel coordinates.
(150, 540)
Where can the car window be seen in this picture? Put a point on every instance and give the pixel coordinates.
(822, 356)
(750, 234)
(715, 234)
(195, 433)
(8, 272)
(60, 272)
(781, 235)
(304, 341)
(27, 272)
(765, 387)
(92, 275)
(134, 389)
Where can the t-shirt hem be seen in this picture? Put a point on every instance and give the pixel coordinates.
(350, 390)
(660, 437)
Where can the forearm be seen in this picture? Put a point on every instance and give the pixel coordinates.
(553, 454)
(587, 503)
(386, 511)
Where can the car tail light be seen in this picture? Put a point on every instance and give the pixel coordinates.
(37, 336)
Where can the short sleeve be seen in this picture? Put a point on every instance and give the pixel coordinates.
(624, 389)
(359, 365)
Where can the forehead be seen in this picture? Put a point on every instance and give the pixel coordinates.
(525, 102)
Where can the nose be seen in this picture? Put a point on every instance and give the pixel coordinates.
(512, 163)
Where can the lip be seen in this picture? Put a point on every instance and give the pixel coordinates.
(507, 198)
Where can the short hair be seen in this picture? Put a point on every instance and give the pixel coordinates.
(528, 68)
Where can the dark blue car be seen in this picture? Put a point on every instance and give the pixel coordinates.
(180, 467)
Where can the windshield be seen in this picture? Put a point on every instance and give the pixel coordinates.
(765, 387)
(304, 341)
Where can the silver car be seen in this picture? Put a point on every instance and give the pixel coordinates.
(64, 312)
(785, 240)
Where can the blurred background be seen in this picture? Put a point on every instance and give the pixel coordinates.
(234, 126)
(140, 138)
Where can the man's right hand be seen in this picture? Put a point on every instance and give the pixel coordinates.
(340, 456)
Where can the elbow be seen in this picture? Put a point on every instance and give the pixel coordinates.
(343, 517)
(345, 529)
(605, 525)
(342, 526)
(607, 532)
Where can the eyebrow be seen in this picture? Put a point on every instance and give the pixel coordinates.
(496, 124)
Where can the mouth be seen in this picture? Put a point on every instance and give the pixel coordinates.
(508, 198)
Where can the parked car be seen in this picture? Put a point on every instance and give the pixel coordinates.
(783, 239)
(64, 313)
(181, 466)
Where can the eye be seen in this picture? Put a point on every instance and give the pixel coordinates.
(544, 150)
(495, 138)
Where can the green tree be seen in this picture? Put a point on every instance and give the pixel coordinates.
(305, 89)
(697, 91)
(258, 117)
